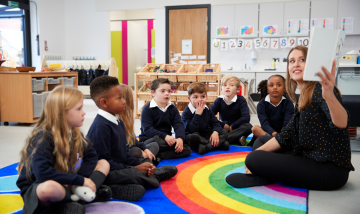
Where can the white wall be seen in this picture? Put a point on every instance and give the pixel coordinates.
(132, 14)
(87, 32)
(160, 37)
(34, 26)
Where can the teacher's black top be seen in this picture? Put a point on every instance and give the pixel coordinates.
(312, 133)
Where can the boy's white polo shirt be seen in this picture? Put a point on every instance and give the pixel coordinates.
(153, 104)
(193, 109)
(267, 99)
(233, 100)
(109, 116)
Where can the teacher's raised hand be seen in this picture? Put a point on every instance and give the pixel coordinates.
(328, 82)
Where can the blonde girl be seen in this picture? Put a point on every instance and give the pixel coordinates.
(138, 149)
(56, 156)
(313, 150)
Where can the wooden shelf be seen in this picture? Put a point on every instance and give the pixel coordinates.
(16, 101)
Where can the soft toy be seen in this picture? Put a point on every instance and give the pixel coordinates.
(82, 193)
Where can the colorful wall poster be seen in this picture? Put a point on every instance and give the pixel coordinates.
(270, 30)
(283, 42)
(224, 45)
(223, 31)
(248, 44)
(303, 41)
(265, 43)
(216, 43)
(323, 23)
(240, 44)
(257, 43)
(247, 30)
(232, 44)
(292, 42)
(347, 24)
(297, 26)
(275, 43)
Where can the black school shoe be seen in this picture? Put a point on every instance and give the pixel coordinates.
(156, 161)
(192, 139)
(70, 208)
(223, 146)
(128, 192)
(165, 172)
(240, 180)
(103, 194)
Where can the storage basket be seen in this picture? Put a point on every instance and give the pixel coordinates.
(349, 59)
(212, 92)
(181, 93)
(145, 95)
(190, 76)
(147, 76)
(209, 76)
(181, 106)
(69, 81)
(171, 67)
(38, 104)
(38, 84)
(54, 81)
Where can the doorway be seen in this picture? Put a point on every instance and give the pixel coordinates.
(188, 23)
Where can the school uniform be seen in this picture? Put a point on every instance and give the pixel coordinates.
(315, 154)
(156, 123)
(42, 169)
(108, 135)
(235, 114)
(273, 118)
(203, 125)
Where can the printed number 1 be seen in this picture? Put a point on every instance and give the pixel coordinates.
(275, 43)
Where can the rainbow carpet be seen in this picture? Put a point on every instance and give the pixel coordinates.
(199, 187)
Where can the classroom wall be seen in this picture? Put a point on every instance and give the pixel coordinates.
(34, 28)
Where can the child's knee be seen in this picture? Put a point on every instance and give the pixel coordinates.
(252, 160)
(48, 188)
(103, 166)
(255, 128)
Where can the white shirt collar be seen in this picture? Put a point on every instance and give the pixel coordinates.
(267, 99)
(109, 116)
(154, 104)
(231, 101)
(193, 109)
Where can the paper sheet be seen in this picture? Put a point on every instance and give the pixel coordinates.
(291, 42)
(175, 59)
(304, 41)
(257, 43)
(201, 62)
(182, 62)
(323, 23)
(275, 43)
(232, 43)
(193, 57)
(192, 62)
(283, 42)
(184, 57)
(177, 54)
(248, 44)
(347, 24)
(240, 44)
(201, 57)
(247, 30)
(223, 44)
(270, 30)
(297, 26)
(265, 43)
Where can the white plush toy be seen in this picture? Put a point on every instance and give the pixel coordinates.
(82, 193)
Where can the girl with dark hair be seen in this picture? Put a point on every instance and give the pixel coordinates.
(274, 109)
(313, 150)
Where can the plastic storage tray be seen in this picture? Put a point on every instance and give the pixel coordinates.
(54, 81)
(69, 81)
(38, 85)
(350, 59)
(38, 104)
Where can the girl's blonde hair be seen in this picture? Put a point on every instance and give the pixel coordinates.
(53, 123)
(291, 85)
(128, 115)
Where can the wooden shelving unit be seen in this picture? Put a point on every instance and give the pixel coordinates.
(196, 73)
(16, 100)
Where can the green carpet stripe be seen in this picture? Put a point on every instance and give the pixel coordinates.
(217, 180)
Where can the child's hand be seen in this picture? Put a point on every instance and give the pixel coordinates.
(149, 154)
(231, 128)
(179, 145)
(214, 138)
(89, 183)
(200, 108)
(227, 127)
(273, 134)
(146, 167)
(170, 140)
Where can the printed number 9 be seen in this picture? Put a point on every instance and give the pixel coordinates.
(292, 42)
